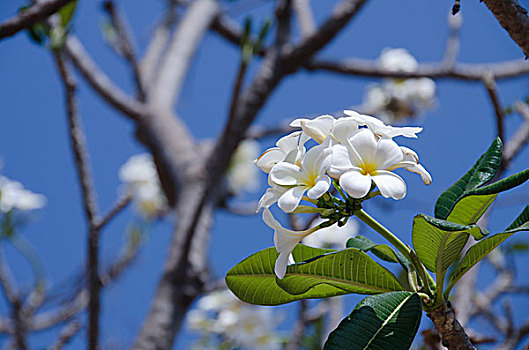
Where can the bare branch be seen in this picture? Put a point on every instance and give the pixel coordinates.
(34, 14)
(101, 83)
(126, 46)
(452, 44)
(120, 204)
(460, 71)
(78, 140)
(305, 17)
(157, 45)
(490, 85)
(6, 281)
(66, 334)
(174, 66)
(521, 137)
(513, 18)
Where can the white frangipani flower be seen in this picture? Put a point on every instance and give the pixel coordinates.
(410, 162)
(396, 60)
(285, 241)
(272, 195)
(289, 149)
(310, 177)
(13, 195)
(141, 181)
(333, 236)
(368, 159)
(376, 125)
(318, 128)
(242, 174)
(237, 324)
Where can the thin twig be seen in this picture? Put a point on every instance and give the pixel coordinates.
(490, 85)
(66, 334)
(34, 14)
(78, 140)
(521, 137)
(126, 45)
(7, 282)
(452, 43)
(120, 204)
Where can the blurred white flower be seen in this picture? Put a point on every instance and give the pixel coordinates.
(242, 175)
(239, 324)
(397, 60)
(394, 99)
(13, 195)
(332, 236)
(141, 181)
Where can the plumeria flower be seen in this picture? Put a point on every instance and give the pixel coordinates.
(141, 180)
(376, 125)
(410, 162)
(13, 195)
(396, 60)
(318, 128)
(310, 177)
(242, 174)
(288, 149)
(272, 195)
(333, 236)
(285, 241)
(366, 158)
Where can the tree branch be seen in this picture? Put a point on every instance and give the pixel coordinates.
(34, 14)
(175, 64)
(513, 18)
(305, 17)
(490, 85)
(78, 140)
(67, 333)
(452, 334)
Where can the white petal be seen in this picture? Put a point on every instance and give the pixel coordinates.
(408, 131)
(344, 128)
(280, 268)
(355, 184)
(390, 185)
(322, 185)
(419, 169)
(270, 197)
(340, 161)
(296, 123)
(289, 142)
(409, 154)
(388, 153)
(365, 144)
(291, 198)
(286, 174)
(317, 160)
(318, 128)
(269, 158)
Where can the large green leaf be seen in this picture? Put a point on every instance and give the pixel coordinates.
(253, 281)
(379, 322)
(304, 252)
(482, 171)
(479, 250)
(503, 184)
(383, 251)
(469, 209)
(438, 243)
(350, 270)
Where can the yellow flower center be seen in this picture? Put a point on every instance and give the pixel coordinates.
(368, 169)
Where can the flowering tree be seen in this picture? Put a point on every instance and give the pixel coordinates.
(321, 173)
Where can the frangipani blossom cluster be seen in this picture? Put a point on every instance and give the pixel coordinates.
(395, 99)
(13, 196)
(141, 180)
(356, 152)
(237, 324)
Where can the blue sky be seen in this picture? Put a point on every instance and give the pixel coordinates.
(35, 149)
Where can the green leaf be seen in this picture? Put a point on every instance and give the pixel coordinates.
(383, 251)
(503, 184)
(253, 281)
(482, 171)
(349, 270)
(303, 252)
(379, 322)
(479, 250)
(469, 209)
(66, 13)
(438, 243)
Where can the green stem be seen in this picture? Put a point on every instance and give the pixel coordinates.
(373, 194)
(313, 201)
(384, 232)
(339, 189)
